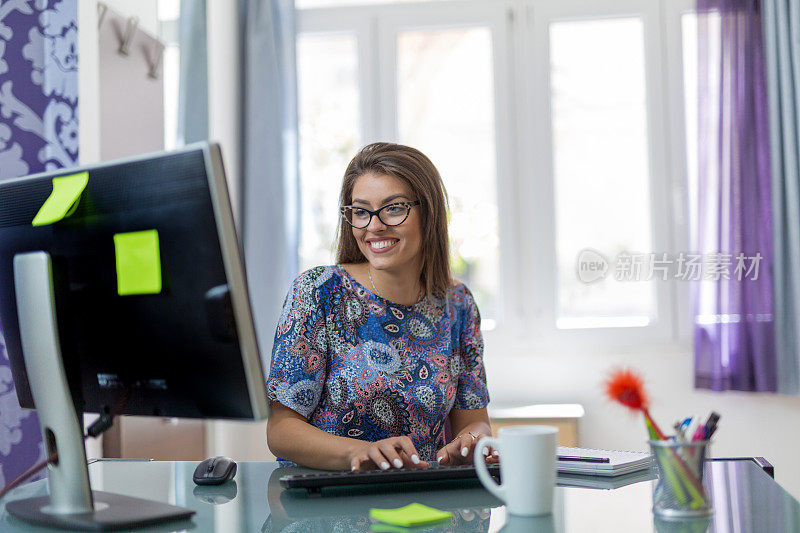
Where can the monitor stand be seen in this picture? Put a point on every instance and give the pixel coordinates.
(71, 503)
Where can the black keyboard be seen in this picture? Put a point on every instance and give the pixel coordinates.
(317, 481)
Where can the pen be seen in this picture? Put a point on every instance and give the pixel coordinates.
(678, 431)
(711, 424)
(700, 434)
(584, 459)
(691, 428)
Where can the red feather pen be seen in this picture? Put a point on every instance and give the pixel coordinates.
(627, 388)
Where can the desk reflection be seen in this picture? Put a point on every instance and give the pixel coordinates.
(745, 499)
(534, 524)
(347, 509)
(216, 494)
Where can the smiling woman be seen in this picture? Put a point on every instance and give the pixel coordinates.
(375, 355)
(380, 175)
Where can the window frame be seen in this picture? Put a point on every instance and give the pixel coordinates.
(542, 176)
(672, 15)
(527, 304)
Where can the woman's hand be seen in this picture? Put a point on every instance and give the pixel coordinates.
(397, 452)
(461, 449)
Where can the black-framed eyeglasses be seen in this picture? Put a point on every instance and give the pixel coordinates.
(390, 214)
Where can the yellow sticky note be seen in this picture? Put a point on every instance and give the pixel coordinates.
(138, 262)
(67, 191)
(413, 514)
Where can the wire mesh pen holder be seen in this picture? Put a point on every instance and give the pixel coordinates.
(679, 491)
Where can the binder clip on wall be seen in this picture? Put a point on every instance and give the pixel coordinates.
(130, 30)
(153, 54)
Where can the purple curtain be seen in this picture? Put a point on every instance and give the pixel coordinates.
(38, 131)
(734, 336)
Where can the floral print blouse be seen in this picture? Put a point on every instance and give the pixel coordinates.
(359, 366)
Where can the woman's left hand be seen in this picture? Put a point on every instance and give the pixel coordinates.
(460, 450)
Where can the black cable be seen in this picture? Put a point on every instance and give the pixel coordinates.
(97, 428)
(106, 419)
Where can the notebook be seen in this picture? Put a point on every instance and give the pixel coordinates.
(620, 462)
(604, 482)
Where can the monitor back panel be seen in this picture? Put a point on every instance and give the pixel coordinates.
(175, 351)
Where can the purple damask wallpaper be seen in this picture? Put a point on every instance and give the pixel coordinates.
(38, 131)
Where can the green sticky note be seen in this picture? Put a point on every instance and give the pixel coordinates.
(138, 262)
(67, 191)
(413, 514)
(379, 527)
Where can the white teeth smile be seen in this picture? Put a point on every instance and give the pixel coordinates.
(381, 244)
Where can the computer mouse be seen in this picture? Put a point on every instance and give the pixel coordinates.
(215, 471)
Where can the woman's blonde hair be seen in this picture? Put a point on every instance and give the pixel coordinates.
(419, 173)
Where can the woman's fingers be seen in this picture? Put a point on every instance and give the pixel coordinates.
(397, 452)
(377, 457)
(408, 463)
(483, 513)
(450, 453)
(443, 457)
(461, 448)
(402, 453)
(362, 461)
(389, 450)
(456, 451)
(407, 446)
(468, 441)
(492, 455)
(487, 450)
(468, 515)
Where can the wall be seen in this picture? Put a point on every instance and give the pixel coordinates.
(88, 74)
(224, 91)
(38, 131)
(751, 424)
(146, 10)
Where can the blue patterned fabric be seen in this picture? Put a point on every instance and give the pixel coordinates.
(357, 365)
(38, 131)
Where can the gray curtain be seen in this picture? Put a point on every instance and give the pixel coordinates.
(781, 20)
(269, 152)
(193, 86)
(269, 200)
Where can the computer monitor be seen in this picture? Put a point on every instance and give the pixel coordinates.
(123, 286)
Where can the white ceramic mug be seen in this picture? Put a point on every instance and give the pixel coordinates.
(527, 468)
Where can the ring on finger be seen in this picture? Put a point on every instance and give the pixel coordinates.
(474, 438)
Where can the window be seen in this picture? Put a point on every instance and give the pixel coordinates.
(304, 4)
(689, 38)
(689, 26)
(169, 12)
(328, 109)
(437, 94)
(601, 168)
(446, 109)
(553, 131)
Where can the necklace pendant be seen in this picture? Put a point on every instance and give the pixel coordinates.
(369, 273)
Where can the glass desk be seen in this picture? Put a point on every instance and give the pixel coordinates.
(746, 499)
